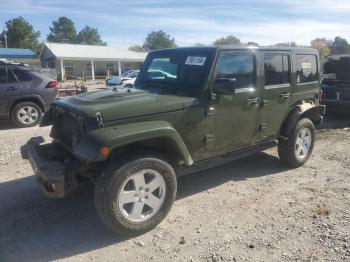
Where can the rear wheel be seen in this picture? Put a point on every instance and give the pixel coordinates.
(134, 197)
(296, 150)
(26, 114)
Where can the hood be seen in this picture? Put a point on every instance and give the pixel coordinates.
(125, 104)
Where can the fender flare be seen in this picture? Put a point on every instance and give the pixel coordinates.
(88, 147)
(305, 109)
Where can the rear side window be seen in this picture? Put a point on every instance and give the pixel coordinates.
(239, 69)
(277, 69)
(3, 77)
(307, 70)
(21, 75)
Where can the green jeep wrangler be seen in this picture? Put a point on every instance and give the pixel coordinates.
(190, 109)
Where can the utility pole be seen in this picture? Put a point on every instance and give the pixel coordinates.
(5, 37)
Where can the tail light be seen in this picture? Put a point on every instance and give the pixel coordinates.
(52, 84)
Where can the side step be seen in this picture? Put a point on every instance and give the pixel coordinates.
(223, 159)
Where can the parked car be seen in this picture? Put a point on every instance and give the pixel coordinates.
(126, 80)
(217, 105)
(25, 94)
(336, 83)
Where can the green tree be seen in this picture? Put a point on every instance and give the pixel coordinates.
(158, 40)
(323, 45)
(227, 40)
(89, 36)
(340, 45)
(21, 34)
(137, 48)
(62, 31)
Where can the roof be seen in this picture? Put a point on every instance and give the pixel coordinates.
(244, 47)
(90, 52)
(16, 53)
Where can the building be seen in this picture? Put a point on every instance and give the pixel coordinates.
(71, 61)
(19, 55)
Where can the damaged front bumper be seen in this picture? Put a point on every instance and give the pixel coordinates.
(50, 173)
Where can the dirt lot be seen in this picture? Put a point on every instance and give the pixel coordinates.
(251, 210)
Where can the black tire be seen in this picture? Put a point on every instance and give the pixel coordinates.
(15, 114)
(110, 184)
(287, 149)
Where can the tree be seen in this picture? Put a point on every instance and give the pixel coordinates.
(340, 45)
(252, 44)
(62, 31)
(227, 40)
(137, 48)
(158, 40)
(89, 36)
(323, 45)
(21, 34)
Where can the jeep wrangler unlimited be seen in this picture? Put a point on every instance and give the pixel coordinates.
(191, 108)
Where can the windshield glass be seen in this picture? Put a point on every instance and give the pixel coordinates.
(128, 73)
(180, 69)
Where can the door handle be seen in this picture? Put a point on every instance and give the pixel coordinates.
(252, 101)
(11, 88)
(285, 96)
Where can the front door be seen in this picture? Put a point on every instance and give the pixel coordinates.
(9, 90)
(276, 94)
(234, 110)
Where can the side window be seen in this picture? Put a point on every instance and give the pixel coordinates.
(3, 77)
(11, 78)
(22, 76)
(277, 69)
(237, 69)
(307, 70)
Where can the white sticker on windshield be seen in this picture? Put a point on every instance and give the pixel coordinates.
(306, 69)
(195, 60)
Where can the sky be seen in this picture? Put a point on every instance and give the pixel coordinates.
(125, 23)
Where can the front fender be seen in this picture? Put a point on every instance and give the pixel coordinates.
(116, 136)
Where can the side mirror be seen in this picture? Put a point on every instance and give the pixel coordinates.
(224, 86)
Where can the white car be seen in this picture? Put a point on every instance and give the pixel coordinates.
(126, 80)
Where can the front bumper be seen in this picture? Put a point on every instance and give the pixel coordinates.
(50, 174)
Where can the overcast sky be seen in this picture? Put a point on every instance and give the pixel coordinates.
(124, 23)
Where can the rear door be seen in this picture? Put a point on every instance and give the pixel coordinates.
(277, 91)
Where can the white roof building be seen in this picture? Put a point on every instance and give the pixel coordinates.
(63, 56)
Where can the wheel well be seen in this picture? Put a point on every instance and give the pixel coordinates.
(164, 146)
(26, 99)
(295, 115)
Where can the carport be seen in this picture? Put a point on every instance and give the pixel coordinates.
(19, 53)
(71, 60)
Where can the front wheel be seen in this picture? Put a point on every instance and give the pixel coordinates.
(296, 150)
(134, 197)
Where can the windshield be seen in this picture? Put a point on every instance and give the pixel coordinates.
(180, 69)
(129, 73)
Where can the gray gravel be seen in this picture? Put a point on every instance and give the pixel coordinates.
(252, 210)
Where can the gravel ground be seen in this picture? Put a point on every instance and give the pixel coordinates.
(252, 210)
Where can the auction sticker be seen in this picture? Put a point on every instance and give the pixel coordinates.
(195, 60)
(306, 69)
